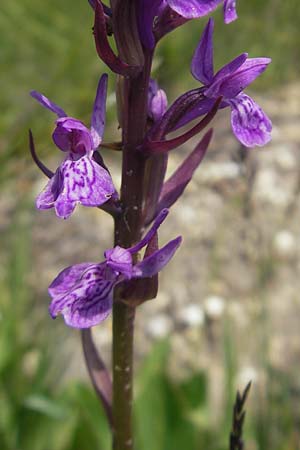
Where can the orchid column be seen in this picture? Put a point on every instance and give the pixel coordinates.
(86, 293)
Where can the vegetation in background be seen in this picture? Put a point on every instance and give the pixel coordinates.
(33, 56)
(37, 411)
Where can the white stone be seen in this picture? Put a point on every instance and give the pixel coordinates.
(284, 244)
(245, 375)
(159, 326)
(268, 188)
(214, 306)
(192, 315)
(215, 172)
(284, 157)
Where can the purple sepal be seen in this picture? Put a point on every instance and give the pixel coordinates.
(81, 181)
(229, 9)
(157, 261)
(174, 187)
(147, 238)
(44, 101)
(98, 114)
(192, 9)
(83, 294)
(250, 124)
(202, 63)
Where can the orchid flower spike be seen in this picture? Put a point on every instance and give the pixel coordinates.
(83, 293)
(249, 123)
(186, 9)
(79, 179)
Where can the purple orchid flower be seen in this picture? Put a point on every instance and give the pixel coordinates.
(83, 293)
(79, 179)
(249, 123)
(185, 9)
(157, 101)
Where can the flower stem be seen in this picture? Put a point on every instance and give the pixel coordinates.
(123, 332)
(128, 229)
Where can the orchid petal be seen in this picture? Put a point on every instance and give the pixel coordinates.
(226, 71)
(250, 124)
(44, 101)
(119, 260)
(202, 63)
(83, 294)
(98, 115)
(71, 135)
(236, 82)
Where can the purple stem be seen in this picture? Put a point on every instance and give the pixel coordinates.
(128, 229)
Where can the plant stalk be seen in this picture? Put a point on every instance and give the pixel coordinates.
(128, 229)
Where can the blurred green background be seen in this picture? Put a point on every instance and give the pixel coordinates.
(48, 46)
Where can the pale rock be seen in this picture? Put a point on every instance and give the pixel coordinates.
(284, 244)
(192, 315)
(214, 306)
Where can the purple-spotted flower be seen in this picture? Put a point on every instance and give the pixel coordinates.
(83, 293)
(175, 12)
(79, 179)
(249, 123)
(157, 101)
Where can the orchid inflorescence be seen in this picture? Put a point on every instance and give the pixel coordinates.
(85, 293)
